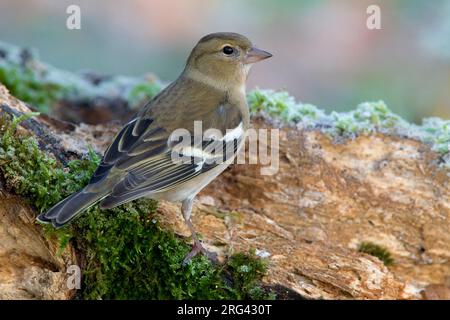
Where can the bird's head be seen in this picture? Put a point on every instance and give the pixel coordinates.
(224, 58)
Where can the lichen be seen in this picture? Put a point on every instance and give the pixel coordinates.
(142, 92)
(26, 78)
(377, 251)
(42, 85)
(436, 132)
(128, 255)
(367, 118)
(280, 104)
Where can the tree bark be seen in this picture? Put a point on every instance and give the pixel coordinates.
(309, 218)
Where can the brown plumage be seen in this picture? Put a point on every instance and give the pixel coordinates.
(140, 163)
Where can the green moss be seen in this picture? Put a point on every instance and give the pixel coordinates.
(31, 173)
(26, 80)
(135, 258)
(23, 84)
(128, 255)
(376, 251)
(42, 85)
(247, 270)
(64, 237)
(437, 132)
(367, 118)
(142, 92)
(281, 105)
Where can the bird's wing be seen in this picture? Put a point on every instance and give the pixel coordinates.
(159, 174)
(141, 159)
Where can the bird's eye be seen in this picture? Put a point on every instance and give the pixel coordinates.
(228, 50)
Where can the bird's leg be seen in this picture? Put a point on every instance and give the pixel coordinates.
(197, 247)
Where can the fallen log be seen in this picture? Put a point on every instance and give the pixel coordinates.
(333, 197)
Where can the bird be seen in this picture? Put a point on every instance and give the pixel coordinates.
(146, 158)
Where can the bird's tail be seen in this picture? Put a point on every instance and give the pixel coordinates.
(66, 210)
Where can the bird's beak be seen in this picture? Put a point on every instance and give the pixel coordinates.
(255, 55)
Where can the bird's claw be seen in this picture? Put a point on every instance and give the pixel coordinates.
(197, 248)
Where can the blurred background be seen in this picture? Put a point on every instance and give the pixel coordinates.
(323, 52)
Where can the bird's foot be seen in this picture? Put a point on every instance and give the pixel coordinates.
(197, 248)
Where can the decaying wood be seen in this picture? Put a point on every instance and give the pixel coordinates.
(30, 266)
(309, 218)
